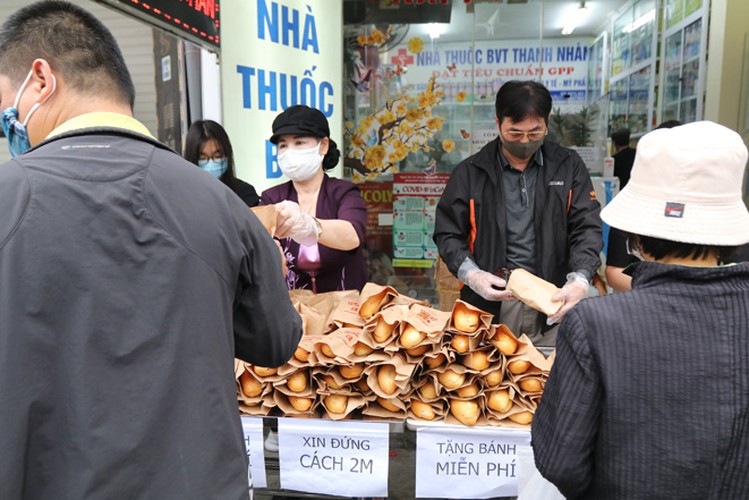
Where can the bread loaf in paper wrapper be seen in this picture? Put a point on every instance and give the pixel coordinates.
(534, 291)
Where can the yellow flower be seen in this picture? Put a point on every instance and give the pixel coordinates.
(387, 116)
(362, 40)
(434, 123)
(461, 96)
(373, 157)
(377, 37)
(412, 115)
(426, 100)
(356, 177)
(400, 108)
(448, 145)
(357, 141)
(415, 45)
(405, 128)
(371, 176)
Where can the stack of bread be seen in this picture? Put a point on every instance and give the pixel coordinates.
(381, 355)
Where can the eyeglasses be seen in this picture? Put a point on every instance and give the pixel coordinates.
(517, 135)
(217, 156)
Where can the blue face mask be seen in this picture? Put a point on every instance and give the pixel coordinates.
(214, 167)
(15, 131)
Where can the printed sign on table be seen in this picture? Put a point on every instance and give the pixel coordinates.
(253, 444)
(415, 198)
(334, 458)
(468, 463)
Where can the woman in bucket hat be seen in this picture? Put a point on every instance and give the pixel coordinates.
(321, 220)
(649, 393)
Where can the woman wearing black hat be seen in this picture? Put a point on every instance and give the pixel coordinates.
(321, 220)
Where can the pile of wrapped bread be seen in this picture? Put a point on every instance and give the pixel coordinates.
(381, 355)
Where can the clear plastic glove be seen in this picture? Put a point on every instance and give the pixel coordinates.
(483, 283)
(292, 223)
(571, 293)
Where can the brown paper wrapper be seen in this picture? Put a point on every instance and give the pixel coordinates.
(448, 355)
(450, 418)
(260, 406)
(282, 402)
(268, 378)
(282, 385)
(375, 409)
(521, 382)
(353, 403)
(487, 355)
(468, 377)
(533, 291)
(345, 313)
(252, 400)
(393, 317)
(428, 380)
(316, 309)
(403, 373)
(428, 321)
(519, 405)
(450, 342)
(484, 324)
(495, 334)
(438, 407)
(539, 364)
(341, 342)
(373, 298)
(267, 216)
(432, 349)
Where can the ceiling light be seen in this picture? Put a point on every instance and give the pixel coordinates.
(575, 19)
(435, 30)
(640, 22)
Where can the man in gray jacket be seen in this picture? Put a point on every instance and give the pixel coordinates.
(129, 280)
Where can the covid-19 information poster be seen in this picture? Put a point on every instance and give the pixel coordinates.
(415, 198)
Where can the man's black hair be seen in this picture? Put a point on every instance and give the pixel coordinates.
(518, 100)
(620, 137)
(74, 43)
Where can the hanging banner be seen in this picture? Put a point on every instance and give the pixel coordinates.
(277, 54)
(474, 462)
(347, 459)
(476, 73)
(415, 198)
(253, 444)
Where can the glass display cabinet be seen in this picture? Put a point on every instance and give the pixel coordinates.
(633, 67)
(684, 60)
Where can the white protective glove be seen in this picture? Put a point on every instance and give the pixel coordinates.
(292, 223)
(483, 283)
(571, 293)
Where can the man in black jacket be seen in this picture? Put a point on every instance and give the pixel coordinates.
(520, 202)
(130, 280)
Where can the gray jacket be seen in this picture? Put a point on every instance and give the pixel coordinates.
(129, 280)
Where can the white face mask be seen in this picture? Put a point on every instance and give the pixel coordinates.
(300, 164)
(633, 251)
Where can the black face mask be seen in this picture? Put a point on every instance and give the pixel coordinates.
(522, 150)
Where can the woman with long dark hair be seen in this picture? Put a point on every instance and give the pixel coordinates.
(208, 146)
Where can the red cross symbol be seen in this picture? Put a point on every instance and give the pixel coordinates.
(402, 58)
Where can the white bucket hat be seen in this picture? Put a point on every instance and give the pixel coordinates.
(685, 186)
